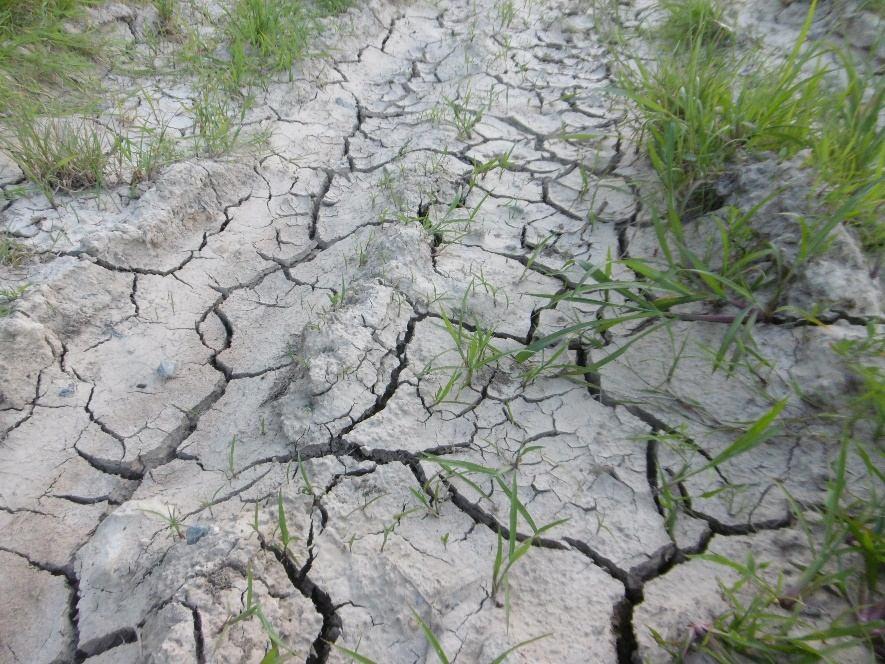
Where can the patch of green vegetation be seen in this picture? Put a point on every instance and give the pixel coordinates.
(849, 150)
(167, 16)
(269, 33)
(693, 22)
(253, 610)
(767, 620)
(12, 252)
(698, 109)
(218, 122)
(77, 153)
(332, 7)
(38, 54)
(254, 39)
(57, 154)
(7, 297)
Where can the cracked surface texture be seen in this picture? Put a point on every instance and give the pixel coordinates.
(244, 333)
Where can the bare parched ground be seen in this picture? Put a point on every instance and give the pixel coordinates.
(266, 334)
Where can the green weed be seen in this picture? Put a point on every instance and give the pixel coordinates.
(474, 348)
(693, 21)
(849, 150)
(39, 56)
(67, 154)
(167, 16)
(464, 114)
(253, 610)
(217, 123)
(172, 519)
(144, 152)
(331, 7)
(273, 33)
(516, 547)
(697, 111)
(12, 252)
(7, 297)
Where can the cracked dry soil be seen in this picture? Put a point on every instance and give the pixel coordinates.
(248, 330)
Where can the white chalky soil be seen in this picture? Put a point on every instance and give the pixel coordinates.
(184, 351)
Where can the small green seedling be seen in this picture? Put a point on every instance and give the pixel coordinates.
(172, 518)
(253, 610)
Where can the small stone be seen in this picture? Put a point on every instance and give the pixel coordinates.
(166, 370)
(194, 534)
(67, 391)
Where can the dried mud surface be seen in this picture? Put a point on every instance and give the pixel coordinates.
(248, 329)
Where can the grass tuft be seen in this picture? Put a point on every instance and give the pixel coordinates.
(12, 252)
(694, 21)
(38, 53)
(273, 32)
(67, 154)
(698, 108)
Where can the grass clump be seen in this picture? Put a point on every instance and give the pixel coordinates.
(699, 108)
(57, 154)
(12, 252)
(269, 33)
(37, 51)
(694, 21)
(167, 16)
(849, 150)
(332, 7)
(217, 123)
(7, 297)
(697, 111)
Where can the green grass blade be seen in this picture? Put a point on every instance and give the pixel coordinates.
(431, 639)
(503, 656)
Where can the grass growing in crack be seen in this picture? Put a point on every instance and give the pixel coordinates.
(430, 495)
(649, 304)
(253, 610)
(464, 115)
(338, 297)
(435, 644)
(742, 285)
(454, 223)
(474, 349)
(285, 538)
(172, 519)
(766, 620)
(516, 548)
